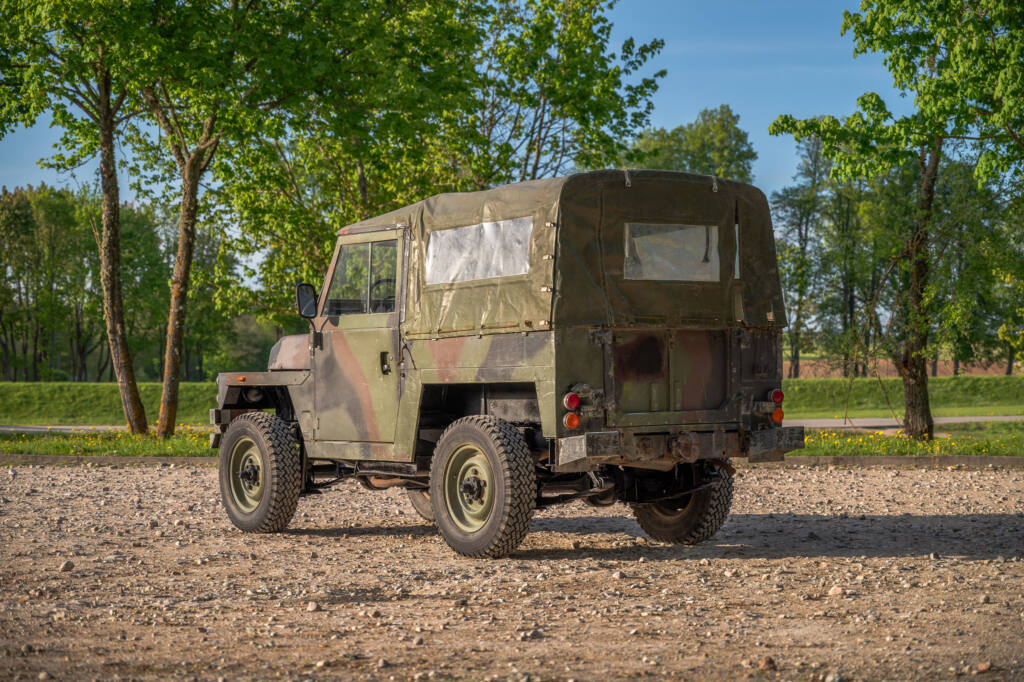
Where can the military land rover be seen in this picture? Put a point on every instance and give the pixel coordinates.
(607, 337)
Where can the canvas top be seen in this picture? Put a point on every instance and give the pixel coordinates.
(638, 247)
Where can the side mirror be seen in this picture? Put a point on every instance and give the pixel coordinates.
(305, 299)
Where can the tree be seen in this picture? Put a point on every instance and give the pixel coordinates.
(68, 60)
(553, 96)
(713, 144)
(927, 55)
(798, 213)
(217, 73)
(533, 107)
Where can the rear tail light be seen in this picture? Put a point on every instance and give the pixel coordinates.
(571, 401)
(777, 415)
(571, 421)
(777, 396)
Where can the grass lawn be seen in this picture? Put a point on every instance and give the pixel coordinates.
(185, 443)
(950, 397)
(84, 404)
(970, 438)
(976, 438)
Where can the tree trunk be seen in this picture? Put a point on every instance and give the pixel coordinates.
(179, 297)
(794, 355)
(935, 366)
(110, 269)
(956, 366)
(1011, 356)
(912, 364)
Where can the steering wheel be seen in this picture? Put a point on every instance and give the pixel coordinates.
(379, 282)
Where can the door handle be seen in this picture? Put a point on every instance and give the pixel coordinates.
(385, 365)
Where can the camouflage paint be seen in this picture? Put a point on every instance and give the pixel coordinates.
(290, 352)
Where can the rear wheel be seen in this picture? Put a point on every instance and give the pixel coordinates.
(692, 518)
(260, 473)
(483, 487)
(420, 501)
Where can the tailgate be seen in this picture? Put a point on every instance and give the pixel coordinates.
(670, 376)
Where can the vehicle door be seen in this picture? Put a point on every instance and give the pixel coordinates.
(354, 356)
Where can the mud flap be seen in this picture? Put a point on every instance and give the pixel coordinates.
(770, 445)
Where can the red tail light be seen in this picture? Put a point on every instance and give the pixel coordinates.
(777, 396)
(571, 401)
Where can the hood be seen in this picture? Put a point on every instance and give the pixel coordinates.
(290, 352)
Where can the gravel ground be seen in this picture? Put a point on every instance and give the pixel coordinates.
(818, 575)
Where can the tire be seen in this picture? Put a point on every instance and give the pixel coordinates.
(260, 473)
(697, 520)
(483, 488)
(420, 501)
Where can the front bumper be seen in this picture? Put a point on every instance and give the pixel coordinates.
(591, 450)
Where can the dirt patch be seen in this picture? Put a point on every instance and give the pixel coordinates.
(877, 574)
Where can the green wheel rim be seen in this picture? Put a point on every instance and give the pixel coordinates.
(246, 475)
(469, 488)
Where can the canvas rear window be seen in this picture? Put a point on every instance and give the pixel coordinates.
(669, 252)
(481, 251)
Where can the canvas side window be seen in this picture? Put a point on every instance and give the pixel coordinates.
(364, 280)
(481, 251)
(680, 253)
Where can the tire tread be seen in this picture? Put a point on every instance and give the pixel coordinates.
(284, 475)
(710, 521)
(519, 479)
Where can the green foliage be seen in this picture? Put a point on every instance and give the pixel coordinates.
(553, 95)
(964, 64)
(77, 404)
(713, 144)
(71, 60)
(545, 93)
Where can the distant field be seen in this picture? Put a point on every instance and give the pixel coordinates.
(969, 396)
(76, 404)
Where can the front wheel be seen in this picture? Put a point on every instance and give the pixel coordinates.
(260, 473)
(483, 487)
(692, 518)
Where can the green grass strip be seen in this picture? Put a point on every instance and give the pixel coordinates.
(85, 404)
(185, 443)
(997, 439)
(950, 397)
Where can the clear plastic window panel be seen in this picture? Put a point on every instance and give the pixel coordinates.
(481, 251)
(680, 253)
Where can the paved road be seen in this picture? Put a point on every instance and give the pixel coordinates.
(856, 423)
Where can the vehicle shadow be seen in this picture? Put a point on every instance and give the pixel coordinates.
(769, 536)
(775, 536)
(418, 530)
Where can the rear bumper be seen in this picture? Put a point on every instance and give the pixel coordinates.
(591, 450)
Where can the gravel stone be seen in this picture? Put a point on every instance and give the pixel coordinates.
(201, 600)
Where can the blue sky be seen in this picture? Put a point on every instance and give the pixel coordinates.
(763, 58)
